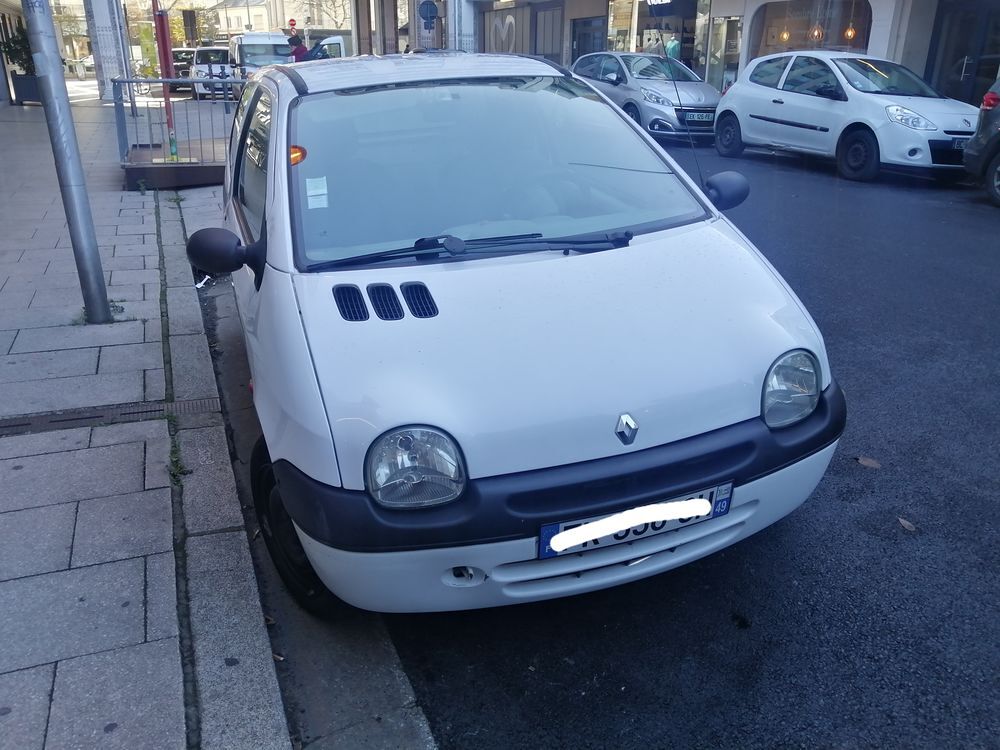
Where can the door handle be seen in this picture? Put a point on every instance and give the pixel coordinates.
(777, 101)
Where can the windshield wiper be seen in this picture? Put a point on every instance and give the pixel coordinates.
(455, 246)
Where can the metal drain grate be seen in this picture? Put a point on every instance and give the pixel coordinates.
(100, 415)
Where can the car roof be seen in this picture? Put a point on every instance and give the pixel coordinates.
(823, 54)
(213, 46)
(352, 72)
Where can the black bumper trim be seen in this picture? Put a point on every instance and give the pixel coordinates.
(513, 506)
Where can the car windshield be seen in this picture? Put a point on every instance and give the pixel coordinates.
(883, 77)
(185, 56)
(664, 69)
(211, 56)
(266, 54)
(386, 166)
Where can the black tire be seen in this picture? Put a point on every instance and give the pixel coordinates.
(728, 136)
(283, 544)
(992, 178)
(633, 111)
(858, 156)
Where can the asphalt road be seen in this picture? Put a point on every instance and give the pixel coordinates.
(837, 627)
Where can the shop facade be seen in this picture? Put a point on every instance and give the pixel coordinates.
(955, 44)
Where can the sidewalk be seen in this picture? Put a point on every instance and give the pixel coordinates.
(128, 602)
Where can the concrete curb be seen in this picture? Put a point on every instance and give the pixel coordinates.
(228, 666)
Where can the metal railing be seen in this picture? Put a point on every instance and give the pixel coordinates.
(200, 112)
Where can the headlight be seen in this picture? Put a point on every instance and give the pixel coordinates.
(909, 118)
(651, 96)
(791, 389)
(414, 467)
(200, 74)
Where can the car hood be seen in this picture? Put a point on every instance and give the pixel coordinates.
(692, 93)
(532, 359)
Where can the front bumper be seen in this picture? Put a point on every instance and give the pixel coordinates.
(503, 573)
(660, 120)
(923, 150)
(514, 506)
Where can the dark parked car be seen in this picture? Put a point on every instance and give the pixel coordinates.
(982, 153)
(183, 57)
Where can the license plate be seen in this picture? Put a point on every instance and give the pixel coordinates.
(719, 497)
(959, 143)
(700, 116)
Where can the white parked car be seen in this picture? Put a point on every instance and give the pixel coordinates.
(659, 93)
(863, 111)
(250, 51)
(544, 337)
(211, 64)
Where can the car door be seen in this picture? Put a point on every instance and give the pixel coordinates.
(813, 106)
(247, 198)
(758, 100)
(612, 70)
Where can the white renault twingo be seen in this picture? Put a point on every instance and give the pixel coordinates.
(503, 348)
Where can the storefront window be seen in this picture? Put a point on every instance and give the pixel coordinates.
(677, 29)
(806, 24)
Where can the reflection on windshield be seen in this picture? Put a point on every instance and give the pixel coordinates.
(883, 77)
(211, 56)
(658, 67)
(266, 54)
(387, 166)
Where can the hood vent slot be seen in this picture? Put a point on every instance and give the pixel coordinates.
(350, 302)
(419, 300)
(385, 302)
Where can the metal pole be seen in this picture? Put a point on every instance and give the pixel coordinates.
(66, 150)
(163, 48)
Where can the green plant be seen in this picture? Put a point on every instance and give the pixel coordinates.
(18, 51)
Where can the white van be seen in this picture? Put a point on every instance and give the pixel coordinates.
(250, 51)
(333, 46)
(210, 64)
(552, 367)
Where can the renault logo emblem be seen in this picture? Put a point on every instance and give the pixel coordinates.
(626, 429)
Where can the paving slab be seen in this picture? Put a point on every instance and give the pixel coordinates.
(240, 701)
(6, 339)
(191, 363)
(130, 357)
(42, 365)
(209, 490)
(73, 612)
(129, 432)
(36, 540)
(184, 311)
(77, 337)
(43, 317)
(157, 463)
(127, 698)
(29, 397)
(156, 385)
(116, 528)
(15, 298)
(152, 330)
(139, 310)
(24, 707)
(44, 442)
(161, 596)
(135, 277)
(35, 481)
(58, 297)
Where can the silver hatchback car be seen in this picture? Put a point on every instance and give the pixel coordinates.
(661, 94)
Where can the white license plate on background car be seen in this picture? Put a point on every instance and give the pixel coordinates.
(718, 497)
(701, 116)
(959, 143)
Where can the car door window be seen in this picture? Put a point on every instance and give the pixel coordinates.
(610, 66)
(589, 67)
(252, 177)
(241, 111)
(808, 75)
(768, 73)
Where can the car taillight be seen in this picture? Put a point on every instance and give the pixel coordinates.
(991, 100)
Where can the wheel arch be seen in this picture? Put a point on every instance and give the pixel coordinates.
(853, 128)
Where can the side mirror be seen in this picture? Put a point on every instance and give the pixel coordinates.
(725, 190)
(613, 78)
(217, 250)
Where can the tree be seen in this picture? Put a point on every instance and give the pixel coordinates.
(331, 14)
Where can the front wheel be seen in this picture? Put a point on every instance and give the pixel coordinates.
(728, 136)
(858, 156)
(633, 111)
(283, 543)
(993, 180)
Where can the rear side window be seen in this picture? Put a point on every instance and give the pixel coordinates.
(252, 179)
(768, 73)
(808, 74)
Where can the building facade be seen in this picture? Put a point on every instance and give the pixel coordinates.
(954, 44)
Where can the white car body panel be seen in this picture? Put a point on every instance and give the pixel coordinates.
(751, 102)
